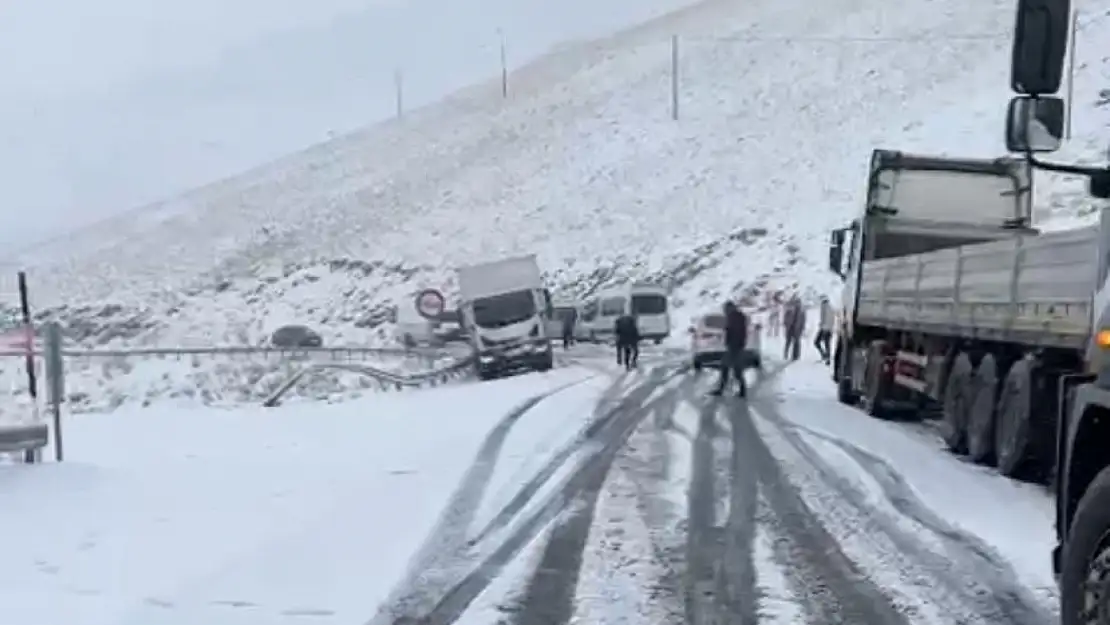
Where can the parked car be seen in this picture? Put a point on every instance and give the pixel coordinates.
(707, 340)
(294, 336)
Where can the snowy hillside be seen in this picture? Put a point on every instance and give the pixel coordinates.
(583, 165)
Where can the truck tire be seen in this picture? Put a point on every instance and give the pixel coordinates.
(1085, 561)
(842, 375)
(981, 414)
(1014, 423)
(877, 384)
(957, 403)
(698, 365)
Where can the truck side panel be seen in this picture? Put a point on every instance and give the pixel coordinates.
(1033, 290)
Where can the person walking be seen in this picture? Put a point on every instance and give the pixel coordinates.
(628, 341)
(569, 318)
(736, 342)
(794, 325)
(825, 323)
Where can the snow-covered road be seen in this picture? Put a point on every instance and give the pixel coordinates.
(585, 495)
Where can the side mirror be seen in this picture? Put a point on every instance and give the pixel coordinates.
(690, 330)
(1034, 125)
(1040, 43)
(837, 237)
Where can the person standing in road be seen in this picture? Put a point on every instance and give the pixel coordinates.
(825, 324)
(628, 341)
(794, 325)
(735, 357)
(569, 318)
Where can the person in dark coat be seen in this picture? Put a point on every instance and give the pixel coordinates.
(794, 326)
(568, 327)
(736, 344)
(628, 341)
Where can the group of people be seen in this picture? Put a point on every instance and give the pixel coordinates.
(788, 319)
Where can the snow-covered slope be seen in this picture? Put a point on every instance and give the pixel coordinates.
(781, 103)
(110, 105)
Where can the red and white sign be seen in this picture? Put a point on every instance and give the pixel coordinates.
(21, 339)
(430, 303)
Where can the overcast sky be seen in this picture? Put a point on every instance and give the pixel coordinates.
(109, 105)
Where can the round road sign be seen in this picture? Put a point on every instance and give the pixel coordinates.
(430, 303)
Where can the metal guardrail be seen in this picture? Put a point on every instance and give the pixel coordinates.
(27, 440)
(400, 380)
(335, 352)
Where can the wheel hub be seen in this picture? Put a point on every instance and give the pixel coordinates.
(1096, 589)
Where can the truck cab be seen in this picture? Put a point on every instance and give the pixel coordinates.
(505, 310)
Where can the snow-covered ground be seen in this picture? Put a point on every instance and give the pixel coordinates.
(253, 516)
(518, 501)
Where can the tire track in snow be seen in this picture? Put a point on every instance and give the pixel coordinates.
(828, 584)
(720, 585)
(615, 426)
(549, 595)
(965, 564)
(603, 412)
(431, 568)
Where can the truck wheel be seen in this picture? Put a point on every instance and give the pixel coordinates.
(980, 420)
(957, 402)
(842, 375)
(1085, 561)
(1011, 431)
(877, 384)
(698, 365)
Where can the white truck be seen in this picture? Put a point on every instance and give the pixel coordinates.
(505, 309)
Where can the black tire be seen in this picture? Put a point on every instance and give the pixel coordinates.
(842, 375)
(1012, 441)
(957, 403)
(981, 412)
(698, 365)
(1087, 548)
(877, 385)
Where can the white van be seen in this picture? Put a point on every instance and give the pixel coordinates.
(560, 312)
(645, 302)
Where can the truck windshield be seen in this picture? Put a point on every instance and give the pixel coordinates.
(498, 311)
(649, 304)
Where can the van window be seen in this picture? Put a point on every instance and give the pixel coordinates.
(717, 322)
(589, 311)
(612, 306)
(562, 313)
(649, 304)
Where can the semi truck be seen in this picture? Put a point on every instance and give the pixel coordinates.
(1081, 437)
(505, 308)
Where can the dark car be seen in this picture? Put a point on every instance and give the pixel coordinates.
(296, 336)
